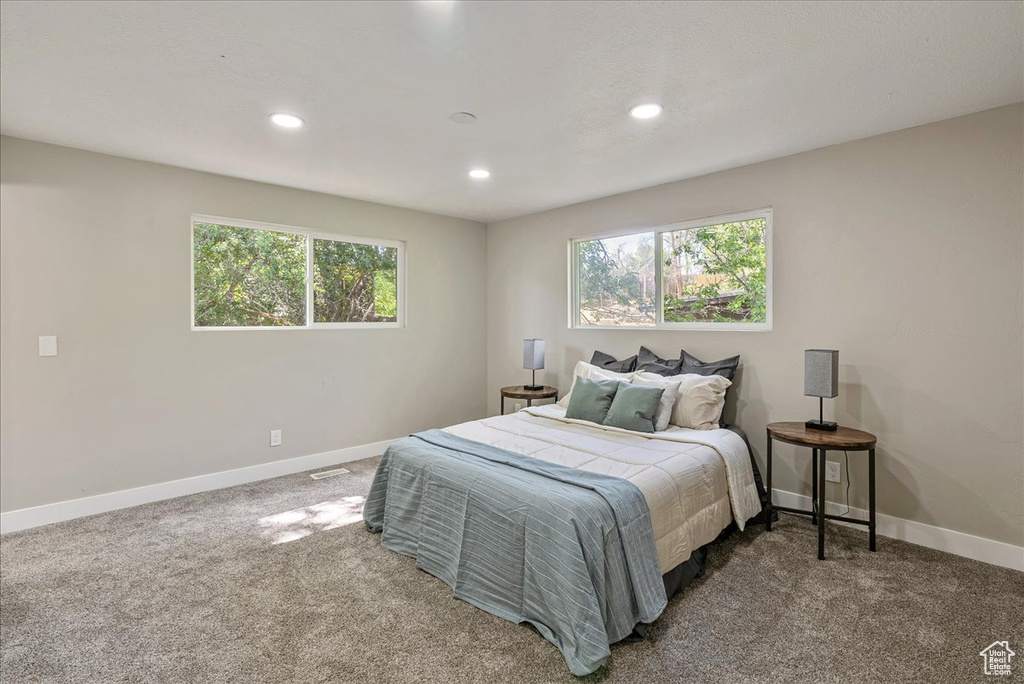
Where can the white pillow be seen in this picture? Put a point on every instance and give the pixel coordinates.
(590, 372)
(668, 397)
(701, 399)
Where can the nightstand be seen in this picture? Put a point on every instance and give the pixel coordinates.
(520, 392)
(820, 442)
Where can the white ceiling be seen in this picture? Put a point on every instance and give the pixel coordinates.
(192, 84)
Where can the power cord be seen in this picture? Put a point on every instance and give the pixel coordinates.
(846, 460)
(846, 466)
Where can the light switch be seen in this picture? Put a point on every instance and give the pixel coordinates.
(48, 345)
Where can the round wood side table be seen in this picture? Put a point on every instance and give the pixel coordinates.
(821, 441)
(520, 392)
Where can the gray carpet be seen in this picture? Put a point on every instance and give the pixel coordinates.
(196, 590)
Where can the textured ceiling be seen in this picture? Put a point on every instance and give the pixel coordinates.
(192, 84)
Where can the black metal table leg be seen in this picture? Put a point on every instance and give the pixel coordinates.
(768, 508)
(821, 507)
(871, 498)
(814, 486)
(502, 404)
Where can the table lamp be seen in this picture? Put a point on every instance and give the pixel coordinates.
(533, 359)
(821, 379)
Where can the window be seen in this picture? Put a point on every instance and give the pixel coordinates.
(617, 280)
(249, 275)
(708, 274)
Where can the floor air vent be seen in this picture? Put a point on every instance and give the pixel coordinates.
(328, 473)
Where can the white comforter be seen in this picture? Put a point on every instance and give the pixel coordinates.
(695, 481)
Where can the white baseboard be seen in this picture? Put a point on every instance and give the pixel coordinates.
(922, 534)
(24, 518)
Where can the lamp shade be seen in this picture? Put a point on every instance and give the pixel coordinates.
(821, 373)
(533, 354)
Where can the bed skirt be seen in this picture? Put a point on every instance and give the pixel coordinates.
(679, 577)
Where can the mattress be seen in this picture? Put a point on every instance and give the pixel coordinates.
(695, 482)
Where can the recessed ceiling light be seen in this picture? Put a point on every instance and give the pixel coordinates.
(286, 120)
(479, 173)
(645, 111)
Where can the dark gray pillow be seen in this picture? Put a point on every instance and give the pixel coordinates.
(591, 399)
(649, 362)
(610, 363)
(724, 367)
(634, 408)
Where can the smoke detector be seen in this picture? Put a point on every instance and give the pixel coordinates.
(463, 118)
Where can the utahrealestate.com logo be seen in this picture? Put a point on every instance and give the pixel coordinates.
(997, 658)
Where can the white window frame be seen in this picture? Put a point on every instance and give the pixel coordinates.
(659, 317)
(310, 236)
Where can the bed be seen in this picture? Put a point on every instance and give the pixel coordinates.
(580, 529)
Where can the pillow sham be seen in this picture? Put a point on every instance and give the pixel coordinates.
(633, 407)
(668, 397)
(649, 362)
(700, 402)
(591, 399)
(610, 363)
(586, 370)
(724, 367)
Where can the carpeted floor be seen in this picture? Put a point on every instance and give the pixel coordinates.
(279, 581)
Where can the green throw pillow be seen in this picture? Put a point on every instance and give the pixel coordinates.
(634, 408)
(591, 399)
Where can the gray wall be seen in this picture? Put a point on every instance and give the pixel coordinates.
(95, 249)
(903, 251)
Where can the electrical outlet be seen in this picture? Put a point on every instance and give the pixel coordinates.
(518, 406)
(833, 473)
(275, 438)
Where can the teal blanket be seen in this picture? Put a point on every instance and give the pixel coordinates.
(568, 551)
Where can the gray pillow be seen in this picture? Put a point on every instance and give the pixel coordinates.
(724, 367)
(649, 362)
(634, 408)
(591, 399)
(608, 362)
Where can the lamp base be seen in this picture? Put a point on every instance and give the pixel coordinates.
(533, 388)
(821, 425)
